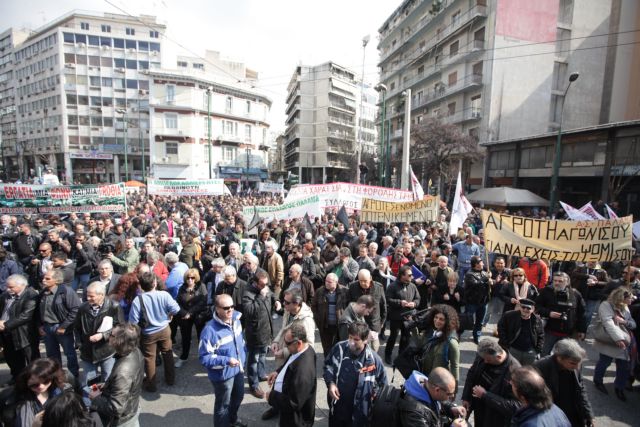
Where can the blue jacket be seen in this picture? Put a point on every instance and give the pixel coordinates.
(532, 417)
(7, 268)
(372, 376)
(220, 342)
(415, 389)
(176, 278)
(159, 306)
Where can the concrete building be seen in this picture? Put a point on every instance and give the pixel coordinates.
(323, 119)
(78, 80)
(180, 130)
(499, 68)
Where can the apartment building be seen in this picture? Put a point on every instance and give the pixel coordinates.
(499, 68)
(326, 109)
(181, 101)
(81, 84)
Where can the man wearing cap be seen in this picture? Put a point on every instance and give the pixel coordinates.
(521, 332)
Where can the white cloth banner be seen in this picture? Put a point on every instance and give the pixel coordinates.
(350, 196)
(591, 212)
(461, 207)
(288, 210)
(575, 214)
(270, 187)
(174, 187)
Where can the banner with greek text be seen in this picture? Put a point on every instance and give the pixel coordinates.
(203, 187)
(270, 187)
(350, 196)
(378, 211)
(18, 199)
(555, 240)
(287, 210)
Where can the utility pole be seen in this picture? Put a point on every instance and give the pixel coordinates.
(404, 173)
(126, 147)
(209, 90)
(380, 87)
(365, 41)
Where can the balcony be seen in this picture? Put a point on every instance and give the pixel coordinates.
(340, 121)
(342, 106)
(469, 82)
(228, 140)
(463, 116)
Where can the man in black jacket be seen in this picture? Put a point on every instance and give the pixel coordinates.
(95, 320)
(476, 294)
(258, 303)
(18, 334)
(487, 389)
(562, 374)
(366, 286)
(58, 309)
(294, 384)
(402, 296)
(85, 259)
(25, 244)
(521, 333)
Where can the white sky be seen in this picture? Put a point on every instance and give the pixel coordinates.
(270, 36)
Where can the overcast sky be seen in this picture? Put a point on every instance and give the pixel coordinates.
(270, 36)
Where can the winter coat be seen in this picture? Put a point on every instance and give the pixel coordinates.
(442, 352)
(507, 292)
(8, 267)
(307, 290)
(547, 302)
(87, 325)
(397, 292)
(21, 314)
(378, 315)
(320, 306)
(256, 311)
(532, 417)
(196, 304)
(417, 408)
(348, 317)
(305, 315)
(65, 307)
(510, 327)
(606, 314)
(476, 287)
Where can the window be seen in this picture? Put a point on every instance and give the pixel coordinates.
(107, 82)
(118, 62)
(198, 66)
(83, 100)
(68, 38)
(130, 44)
(170, 148)
(476, 105)
(479, 35)
(94, 81)
(153, 34)
(171, 121)
(96, 101)
(143, 84)
(451, 109)
(565, 12)
(96, 121)
(392, 86)
(477, 69)
(453, 48)
(106, 28)
(118, 83)
(182, 64)
(143, 46)
(81, 38)
(94, 61)
(72, 99)
(118, 43)
(248, 107)
(143, 65)
(94, 40)
(130, 31)
(131, 64)
(247, 133)
(227, 127)
(453, 78)
(229, 104)
(171, 94)
(84, 25)
(132, 84)
(455, 18)
(105, 41)
(420, 70)
(154, 47)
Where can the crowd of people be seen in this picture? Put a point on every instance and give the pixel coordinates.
(111, 293)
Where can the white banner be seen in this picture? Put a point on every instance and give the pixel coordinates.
(350, 196)
(288, 210)
(205, 187)
(270, 187)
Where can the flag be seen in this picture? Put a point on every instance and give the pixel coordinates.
(610, 213)
(416, 188)
(461, 207)
(306, 226)
(417, 274)
(255, 220)
(343, 217)
(591, 212)
(573, 213)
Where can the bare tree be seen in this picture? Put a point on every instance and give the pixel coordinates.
(625, 173)
(438, 147)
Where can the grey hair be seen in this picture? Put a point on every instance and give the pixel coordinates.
(298, 331)
(296, 295)
(18, 279)
(252, 258)
(97, 287)
(171, 257)
(296, 267)
(271, 244)
(105, 262)
(229, 270)
(153, 257)
(218, 262)
(569, 349)
(94, 241)
(488, 347)
(332, 276)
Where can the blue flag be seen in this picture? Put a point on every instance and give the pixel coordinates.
(417, 274)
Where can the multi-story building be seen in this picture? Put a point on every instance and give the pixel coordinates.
(180, 127)
(499, 68)
(323, 112)
(8, 126)
(82, 96)
(224, 70)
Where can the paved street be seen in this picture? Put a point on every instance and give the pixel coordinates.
(190, 401)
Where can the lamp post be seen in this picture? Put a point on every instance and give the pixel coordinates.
(365, 41)
(558, 155)
(126, 147)
(406, 134)
(209, 90)
(380, 87)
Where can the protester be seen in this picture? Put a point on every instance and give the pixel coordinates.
(521, 333)
(477, 285)
(192, 298)
(441, 348)
(402, 295)
(328, 307)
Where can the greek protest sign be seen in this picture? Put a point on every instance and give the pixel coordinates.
(204, 187)
(350, 196)
(425, 210)
(555, 240)
(287, 210)
(19, 199)
(270, 187)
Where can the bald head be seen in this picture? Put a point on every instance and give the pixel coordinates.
(364, 274)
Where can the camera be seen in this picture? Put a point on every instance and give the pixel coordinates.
(105, 248)
(415, 319)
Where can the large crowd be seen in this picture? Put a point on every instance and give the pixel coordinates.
(111, 292)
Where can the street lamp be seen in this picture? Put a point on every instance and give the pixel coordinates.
(209, 90)
(380, 87)
(126, 147)
(406, 134)
(558, 157)
(365, 41)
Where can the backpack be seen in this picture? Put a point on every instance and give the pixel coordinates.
(385, 412)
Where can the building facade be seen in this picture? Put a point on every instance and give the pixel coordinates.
(324, 116)
(499, 68)
(180, 135)
(82, 97)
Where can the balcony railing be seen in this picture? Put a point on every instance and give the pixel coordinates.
(463, 116)
(444, 91)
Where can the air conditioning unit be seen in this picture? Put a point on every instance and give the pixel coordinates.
(144, 71)
(70, 65)
(105, 47)
(119, 70)
(80, 44)
(154, 53)
(132, 50)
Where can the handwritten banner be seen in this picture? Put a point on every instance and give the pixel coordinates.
(555, 240)
(377, 211)
(204, 187)
(287, 210)
(350, 196)
(19, 199)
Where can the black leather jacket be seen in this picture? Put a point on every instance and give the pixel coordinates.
(120, 396)
(476, 287)
(86, 325)
(20, 324)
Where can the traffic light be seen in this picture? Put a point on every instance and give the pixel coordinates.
(293, 179)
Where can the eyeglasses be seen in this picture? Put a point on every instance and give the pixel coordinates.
(227, 308)
(288, 302)
(449, 394)
(43, 250)
(288, 343)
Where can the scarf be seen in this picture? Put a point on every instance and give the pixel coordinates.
(523, 292)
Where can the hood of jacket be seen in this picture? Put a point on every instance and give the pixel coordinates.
(414, 387)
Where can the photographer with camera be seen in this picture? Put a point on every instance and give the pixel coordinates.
(564, 307)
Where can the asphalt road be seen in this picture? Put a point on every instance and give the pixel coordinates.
(190, 401)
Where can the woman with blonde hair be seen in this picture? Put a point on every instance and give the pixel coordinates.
(612, 331)
(518, 288)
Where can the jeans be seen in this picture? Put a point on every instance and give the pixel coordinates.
(90, 370)
(623, 370)
(524, 357)
(228, 397)
(256, 358)
(494, 311)
(591, 307)
(549, 341)
(81, 281)
(478, 310)
(462, 271)
(52, 343)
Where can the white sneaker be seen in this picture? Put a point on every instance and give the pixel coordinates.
(179, 363)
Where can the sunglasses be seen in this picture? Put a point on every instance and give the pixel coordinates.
(191, 278)
(288, 343)
(518, 275)
(288, 302)
(227, 308)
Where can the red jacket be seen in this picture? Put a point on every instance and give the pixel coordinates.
(536, 271)
(395, 266)
(160, 270)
